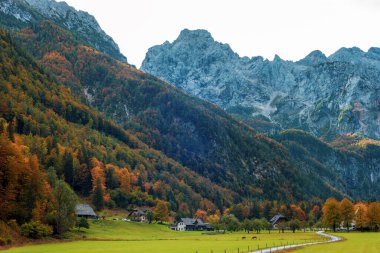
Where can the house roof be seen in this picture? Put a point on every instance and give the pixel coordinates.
(192, 222)
(277, 218)
(84, 210)
(137, 212)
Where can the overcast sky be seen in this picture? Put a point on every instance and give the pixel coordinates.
(289, 28)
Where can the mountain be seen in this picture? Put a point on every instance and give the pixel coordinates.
(351, 163)
(325, 96)
(43, 120)
(17, 14)
(195, 133)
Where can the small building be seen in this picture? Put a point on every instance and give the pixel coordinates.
(138, 214)
(84, 210)
(279, 218)
(190, 224)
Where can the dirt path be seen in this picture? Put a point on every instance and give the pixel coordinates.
(333, 238)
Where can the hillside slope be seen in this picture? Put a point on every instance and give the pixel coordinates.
(355, 168)
(81, 145)
(193, 132)
(17, 14)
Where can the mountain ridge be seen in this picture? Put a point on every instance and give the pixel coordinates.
(23, 13)
(191, 131)
(322, 95)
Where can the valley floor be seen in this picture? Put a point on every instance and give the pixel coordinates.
(356, 242)
(120, 236)
(129, 237)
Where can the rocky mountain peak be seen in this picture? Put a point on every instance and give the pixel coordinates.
(314, 58)
(353, 55)
(324, 96)
(199, 34)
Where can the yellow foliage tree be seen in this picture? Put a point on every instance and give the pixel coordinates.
(331, 215)
(161, 211)
(347, 212)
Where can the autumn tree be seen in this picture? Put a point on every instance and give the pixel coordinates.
(23, 186)
(347, 212)
(374, 215)
(316, 210)
(97, 172)
(297, 213)
(201, 214)
(361, 216)
(331, 215)
(124, 180)
(161, 211)
(214, 220)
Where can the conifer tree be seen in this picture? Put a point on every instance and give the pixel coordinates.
(98, 196)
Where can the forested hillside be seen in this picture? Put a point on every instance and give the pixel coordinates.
(354, 167)
(45, 130)
(195, 133)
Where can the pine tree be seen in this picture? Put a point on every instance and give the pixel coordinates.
(97, 198)
(68, 168)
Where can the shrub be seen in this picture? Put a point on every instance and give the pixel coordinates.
(82, 223)
(2, 241)
(36, 230)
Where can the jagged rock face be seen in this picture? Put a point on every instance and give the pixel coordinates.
(319, 94)
(20, 13)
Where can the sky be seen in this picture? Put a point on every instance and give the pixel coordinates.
(288, 28)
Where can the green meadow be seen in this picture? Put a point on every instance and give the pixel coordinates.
(355, 242)
(120, 236)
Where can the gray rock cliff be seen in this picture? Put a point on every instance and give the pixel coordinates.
(322, 95)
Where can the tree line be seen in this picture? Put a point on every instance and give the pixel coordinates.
(346, 214)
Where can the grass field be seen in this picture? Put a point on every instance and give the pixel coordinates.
(355, 242)
(129, 237)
